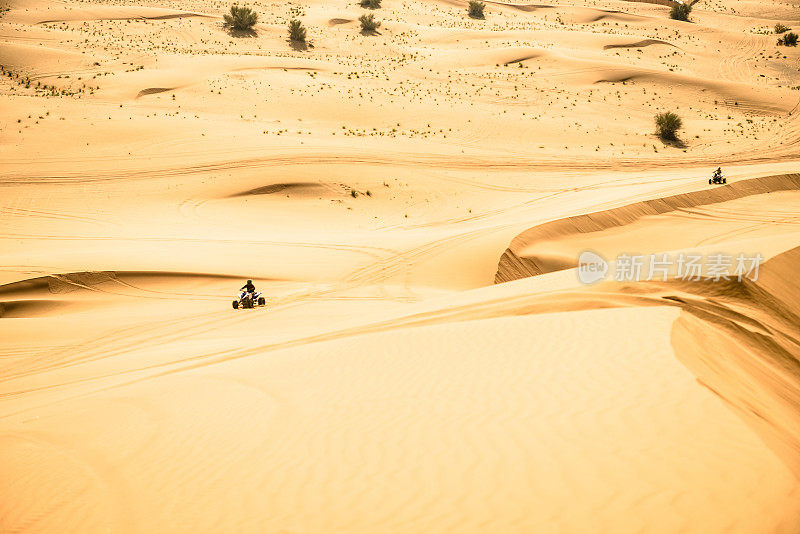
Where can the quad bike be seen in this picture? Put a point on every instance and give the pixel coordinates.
(717, 179)
(249, 300)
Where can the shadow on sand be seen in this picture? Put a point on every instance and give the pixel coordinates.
(300, 46)
(233, 32)
(674, 142)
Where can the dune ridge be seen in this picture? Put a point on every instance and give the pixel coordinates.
(68, 282)
(668, 3)
(96, 12)
(638, 44)
(298, 188)
(743, 343)
(514, 265)
(30, 308)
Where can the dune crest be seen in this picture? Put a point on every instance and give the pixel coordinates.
(520, 260)
(743, 345)
(96, 12)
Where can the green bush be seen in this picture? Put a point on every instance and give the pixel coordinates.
(790, 39)
(667, 125)
(368, 23)
(370, 4)
(297, 31)
(680, 12)
(476, 9)
(241, 18)
(780, 28)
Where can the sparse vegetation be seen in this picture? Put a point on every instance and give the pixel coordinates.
(780, 28)
(680, 12)
(44, 89)
(368, 23)
(790, 39)
(297, 32)
(667, 125)
(241, 18)
(370, 4)
(476, 9)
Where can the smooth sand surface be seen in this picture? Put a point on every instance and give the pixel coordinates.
(412, 203)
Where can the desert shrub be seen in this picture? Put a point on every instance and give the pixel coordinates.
(667, 125)
(368, 23)
(476, 9)
(241, 18)
(680, 12)
(297, 32)
(780, 28)
(370, 4)
(790, 39)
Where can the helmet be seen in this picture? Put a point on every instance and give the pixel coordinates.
(249, 281)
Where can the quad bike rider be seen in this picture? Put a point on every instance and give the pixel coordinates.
(717, 177)
(248, 297)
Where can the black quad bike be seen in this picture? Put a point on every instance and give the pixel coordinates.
(717, 179)
(249, 300)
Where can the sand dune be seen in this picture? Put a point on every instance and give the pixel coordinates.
(31, 308)
(68, 282)
(533, 251)
(749, 353)
(329, 410)
(337, 21)
(638, 44)
(176, 73)
(95, 12)
(308, 189)
(406, 374)
(579, 15)
(44, 61)
(504, 56)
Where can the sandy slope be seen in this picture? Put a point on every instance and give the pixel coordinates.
(370, 184)
(705, 219)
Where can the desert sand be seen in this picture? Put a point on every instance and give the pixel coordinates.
(413, 203)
